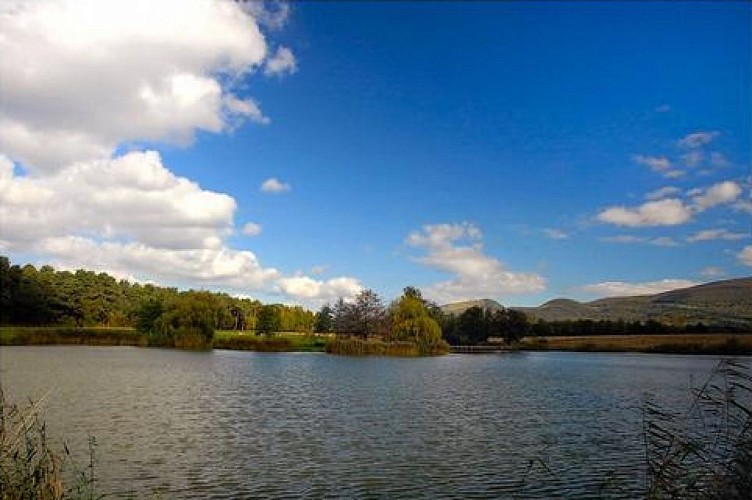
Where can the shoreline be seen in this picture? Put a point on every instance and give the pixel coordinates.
(710, 343)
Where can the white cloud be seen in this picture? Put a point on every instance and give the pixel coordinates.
(718, 194)
(698, 139)
(664, 192)
(458, 250)
(712, 272)
(555, 234)
(275, 186)
(716, 234)
(666, 212)
(81, 77)
(281, 63)
(133, 197)
(305, 288)
(745, 256)
(663, 108)
(626, 289)
(210, 267)
(252, 229)
(656, 163)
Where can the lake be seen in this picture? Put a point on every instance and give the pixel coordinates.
(224, 424)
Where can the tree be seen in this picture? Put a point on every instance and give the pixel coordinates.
(269, 320)
(369, 312)
(345, 317)
(471, 326)
(412, 321)
(324, 321)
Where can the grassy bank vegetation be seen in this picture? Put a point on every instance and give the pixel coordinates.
(376, 347)
(280, 342)
(70, 335)
(679, 344)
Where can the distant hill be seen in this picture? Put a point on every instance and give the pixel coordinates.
(719, 303)
(460, 307)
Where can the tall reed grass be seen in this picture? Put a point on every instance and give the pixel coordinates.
(29, 466)
(706, 452)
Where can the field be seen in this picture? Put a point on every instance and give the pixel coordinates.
(680, 344)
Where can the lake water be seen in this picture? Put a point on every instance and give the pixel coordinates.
(227, 424)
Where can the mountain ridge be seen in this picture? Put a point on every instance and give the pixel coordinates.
(718, 303)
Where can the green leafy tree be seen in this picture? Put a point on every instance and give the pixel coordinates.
(324, 320)
(269, 320)
(411, 321)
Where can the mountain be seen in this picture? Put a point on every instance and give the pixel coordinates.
(727, 302)
(720, 303)
(460, 307)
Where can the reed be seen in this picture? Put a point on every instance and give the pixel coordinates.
(29, 466)
(375, 347)
(706, 452)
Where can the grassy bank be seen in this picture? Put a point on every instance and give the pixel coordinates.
(374, 347)
(70, 335)
(281, 342)
(678, 344)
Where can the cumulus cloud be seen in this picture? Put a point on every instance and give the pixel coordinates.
(627, 289)
(251, 229)
(718, 194)
(274, 186)
(716, 234)
(306, 288)
(667, 212)
(82, 80)
(698, 139)
(671, 211)
(281, 63)
(457, 249)
(745, 256)
(81, 77)
(132, 197)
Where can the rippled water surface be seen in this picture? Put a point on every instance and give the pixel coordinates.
(241, 424)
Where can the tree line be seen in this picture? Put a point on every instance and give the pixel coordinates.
(46, 297)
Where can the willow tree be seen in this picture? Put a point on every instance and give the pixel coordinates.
(412, 321)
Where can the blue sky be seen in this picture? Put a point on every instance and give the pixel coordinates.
(518, 151)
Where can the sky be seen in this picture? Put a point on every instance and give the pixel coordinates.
(300, 152)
